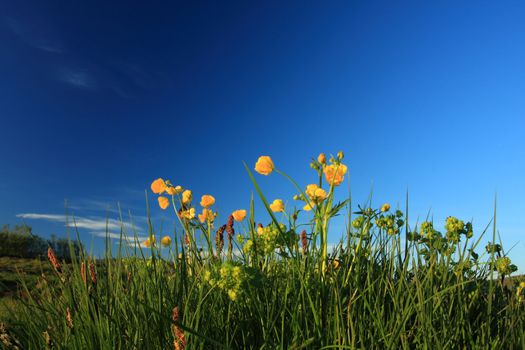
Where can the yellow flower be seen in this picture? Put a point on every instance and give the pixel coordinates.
(207, 201)
(340, 155)
(321, 158)
(188, 214)
(165, 241)
(264, 165)
(174, 190)
(232, 294)
(335, 173)
(239, 215)
(164, 202)
(149, 241)
(309, 206)
(385, 207)
(277, 205)
(186, 197)
(207, 215)
(158, 186)
(315, 193)
(336, 263)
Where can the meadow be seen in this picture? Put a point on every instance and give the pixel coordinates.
(242, 284)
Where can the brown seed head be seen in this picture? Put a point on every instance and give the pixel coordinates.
(53, 259)
(229, 227)
(83, 272)
(219, 239)
(304, 241)
(92, 273)
(69, 318)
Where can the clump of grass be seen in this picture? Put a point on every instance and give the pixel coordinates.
(277, 285)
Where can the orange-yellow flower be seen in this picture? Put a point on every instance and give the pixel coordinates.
(207, 201)
(158, 186)
(321, 158)
(165, 241)
(264, 165)
(335, 173)
(277, 205)
(309, 206)
(149, 241)
(187, 197)
(239, 215)
(188, 214)
(207, 215)
(385, 207)
(315, 193)
(164, 202)
(173, 190)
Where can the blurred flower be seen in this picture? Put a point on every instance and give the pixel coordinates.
(163, 202)
(321, 158)
(186, 197)
(264, 165)
(335, 173)
(207, 215)
(158, 186)
(174, 190)
(188, 214)
(277, 205)
(309, 206)
(385, 207)
(207, 201)
(340, 155)
(165, 241)
(239, 215)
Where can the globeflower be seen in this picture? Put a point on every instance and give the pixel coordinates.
(316, 193)
(321, 158)
(158, 186)
(207, 201)
(277, 205)
(239, 215)
(163, 202)
(165, 241)
(264, 165)
(309, 206)
(385, 207)
(149, 241)
(335, 173)
(186, 197)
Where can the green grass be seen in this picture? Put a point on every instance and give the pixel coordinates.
(386, 286)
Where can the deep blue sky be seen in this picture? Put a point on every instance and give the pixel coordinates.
(98, 98)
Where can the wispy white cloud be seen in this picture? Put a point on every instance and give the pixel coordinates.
(113, 235)
(80, 78)
(98, 224)
(37, 33)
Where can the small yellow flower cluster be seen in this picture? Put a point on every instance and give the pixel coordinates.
(268, 239)
(230, 277)
(503, 265)
(390, 223)
(427, 230)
